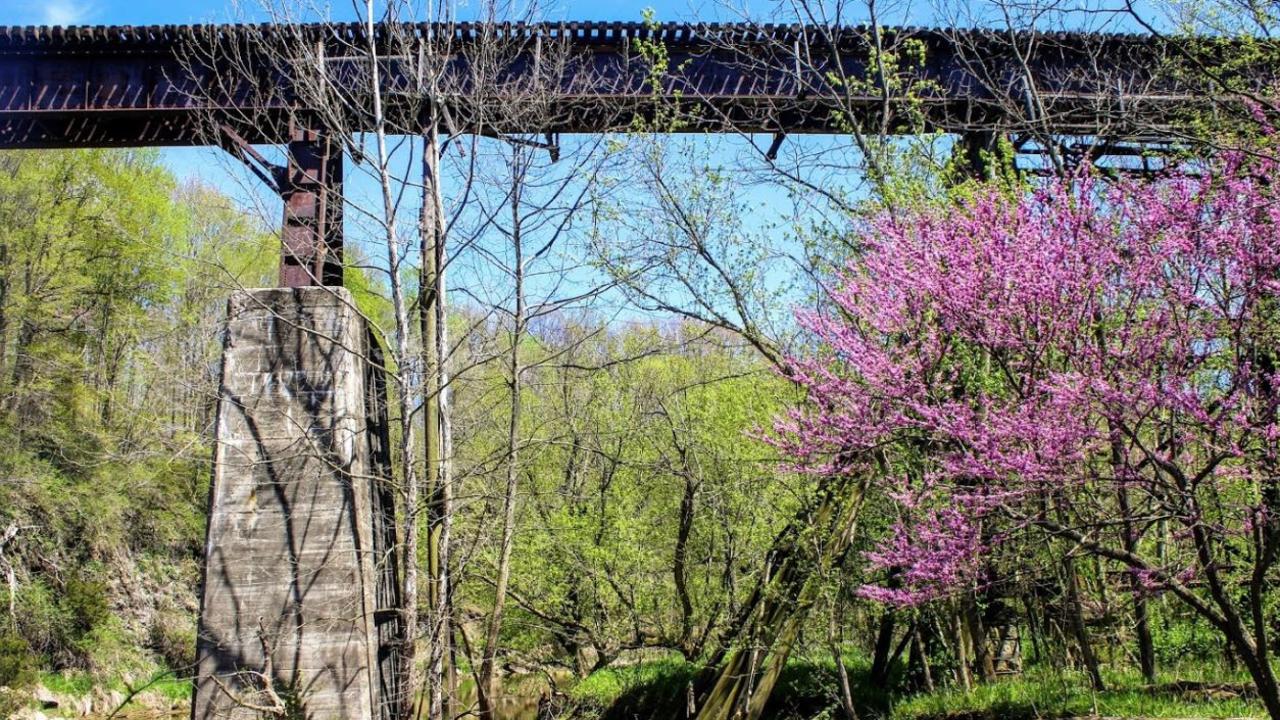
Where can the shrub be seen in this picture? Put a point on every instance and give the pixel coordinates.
(64, 626)
(1184, 639)
(18, 665)
(18, 662)
(172, 636)
(85, 604)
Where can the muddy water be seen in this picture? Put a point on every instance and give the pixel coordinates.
(519, 701)
(521, 695)
(510, 707)
(516, 707)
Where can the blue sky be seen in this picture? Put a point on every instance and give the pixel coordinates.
(147, 12)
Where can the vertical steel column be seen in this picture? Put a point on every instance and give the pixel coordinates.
(312, 228)
(979, 148)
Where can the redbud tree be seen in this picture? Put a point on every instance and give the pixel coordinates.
(1016, 358)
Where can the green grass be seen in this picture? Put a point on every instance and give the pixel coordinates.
(659, 689)
(651, 689)
(807, 689)
(1044, 693)
(77, 684)
(68, 684)
(605, 687)
(172, 688)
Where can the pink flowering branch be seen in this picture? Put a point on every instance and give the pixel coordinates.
(1009, 351)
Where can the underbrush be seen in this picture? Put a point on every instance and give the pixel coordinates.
(1046, 693)
(661, 689)
(651, 689)
(808, 689)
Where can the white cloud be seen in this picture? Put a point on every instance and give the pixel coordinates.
(66, 12)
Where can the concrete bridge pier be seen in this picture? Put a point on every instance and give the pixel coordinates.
(299, 589)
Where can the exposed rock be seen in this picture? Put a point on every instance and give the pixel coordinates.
(154, 702)
(47, 698)
(105, 701)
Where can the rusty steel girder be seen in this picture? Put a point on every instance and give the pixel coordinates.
(101, 86)
(310, 185)
(312, 229)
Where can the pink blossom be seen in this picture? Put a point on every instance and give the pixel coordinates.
(1001, 350)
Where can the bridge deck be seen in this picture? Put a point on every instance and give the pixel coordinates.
(165, 85)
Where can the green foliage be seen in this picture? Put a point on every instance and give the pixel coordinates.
(113, 281)
(69, 683)
(1187, 639)
(72, 626)
(173, 638)
(173, 688)
(113, 284)
(1051, 693)
(667, 115)
(654, 687)
(619, 454)
(807, 688)
(84, 606)
(74, 684)
(17, 661)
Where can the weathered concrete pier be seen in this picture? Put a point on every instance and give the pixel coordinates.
(299, 587)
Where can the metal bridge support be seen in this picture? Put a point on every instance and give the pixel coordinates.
(311, 187)
(980, 152)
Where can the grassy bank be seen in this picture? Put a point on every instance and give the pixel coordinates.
(658, 690)
(1047, 693)
(808, 689)
(166, 686)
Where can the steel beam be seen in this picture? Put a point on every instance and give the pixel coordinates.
(312, 228)
(162, 85)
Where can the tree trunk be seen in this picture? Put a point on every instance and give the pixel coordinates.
(22, 361)
(407, 394)
(777, 614)
(4, 317)
(963, 676)
(487, 681)
(919, 658)
(1260, 670)
(837, 654)
(884, 646)
(1034, 628)
(1075, 616)
(679, 562)
(431, 318)
(977, 631)
(1129, 541)
(1146, 645)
